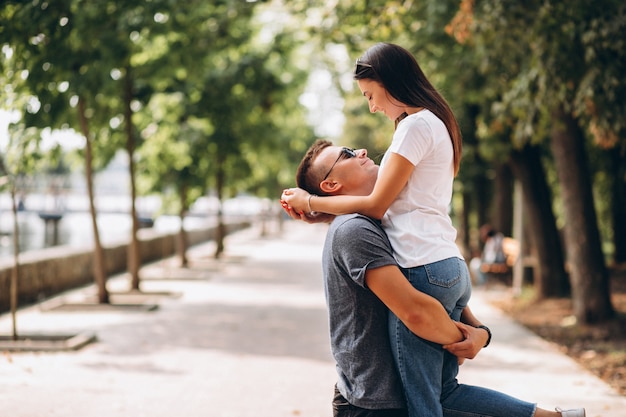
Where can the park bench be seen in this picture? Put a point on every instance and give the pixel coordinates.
(503, 271)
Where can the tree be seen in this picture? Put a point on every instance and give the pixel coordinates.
(22, 158)
(512, 68)
(9, 179)
(550, 279)
(226, 105)
(550, 96)
(57, 63)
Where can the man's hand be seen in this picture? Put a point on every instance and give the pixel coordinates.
(474, 341)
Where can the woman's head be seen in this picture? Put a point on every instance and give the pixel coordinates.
(399, 73)
(396, 70)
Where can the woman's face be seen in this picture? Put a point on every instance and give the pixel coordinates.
(379, 100)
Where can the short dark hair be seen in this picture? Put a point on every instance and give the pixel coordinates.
(397, 70)
(308, 178)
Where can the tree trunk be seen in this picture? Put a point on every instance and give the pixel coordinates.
(550, 278)
(502, 217)
(588, 273)
(99, 268)
(464, 226)
(477, 203)
(483, 198)
(618, 202)
(220, 232)
(15, 272)
(182, 233)
(134, 259)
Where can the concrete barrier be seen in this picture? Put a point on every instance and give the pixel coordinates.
(47, 272)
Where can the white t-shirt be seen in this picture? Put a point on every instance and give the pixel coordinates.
(417, 222)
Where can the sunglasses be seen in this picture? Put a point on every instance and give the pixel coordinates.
(345, 153)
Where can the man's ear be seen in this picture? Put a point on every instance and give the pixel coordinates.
(330, 187)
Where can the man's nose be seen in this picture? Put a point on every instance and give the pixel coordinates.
(361, 153)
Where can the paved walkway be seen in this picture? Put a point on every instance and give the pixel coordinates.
(245, 336)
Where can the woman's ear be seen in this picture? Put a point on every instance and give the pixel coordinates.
(330, 187)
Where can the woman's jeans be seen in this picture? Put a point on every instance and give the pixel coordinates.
(428, 371)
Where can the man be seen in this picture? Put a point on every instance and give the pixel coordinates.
(362, 281)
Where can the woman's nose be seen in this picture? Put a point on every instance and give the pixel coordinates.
(361, 153)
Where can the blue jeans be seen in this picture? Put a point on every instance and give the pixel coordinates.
(428, 371)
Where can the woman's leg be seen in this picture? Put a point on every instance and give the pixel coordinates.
(448, 281)
(419, 365)
(420, 362)
(468, 400)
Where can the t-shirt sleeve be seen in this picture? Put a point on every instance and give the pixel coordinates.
(413, 140)
(359, 245)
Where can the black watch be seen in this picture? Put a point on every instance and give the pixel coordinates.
(488, 333)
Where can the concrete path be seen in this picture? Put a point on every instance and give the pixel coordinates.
(245, 336)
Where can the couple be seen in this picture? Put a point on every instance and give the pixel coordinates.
(362, 282)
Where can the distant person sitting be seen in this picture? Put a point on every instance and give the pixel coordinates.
(493, 257)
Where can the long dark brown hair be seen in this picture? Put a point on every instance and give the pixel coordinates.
(397, 70)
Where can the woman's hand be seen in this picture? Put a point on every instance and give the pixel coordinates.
(307, 217)
(297, 199)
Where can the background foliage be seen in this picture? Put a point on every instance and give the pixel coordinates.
(226, 97)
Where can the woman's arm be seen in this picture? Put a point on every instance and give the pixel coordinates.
(307, 217)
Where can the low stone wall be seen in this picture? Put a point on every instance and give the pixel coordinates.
(47, 272)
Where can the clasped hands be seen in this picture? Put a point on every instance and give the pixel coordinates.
(469, 347)
(295, 202)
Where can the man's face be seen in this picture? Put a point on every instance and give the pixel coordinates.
(350, 175)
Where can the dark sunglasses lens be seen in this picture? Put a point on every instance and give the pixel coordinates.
(348, 153)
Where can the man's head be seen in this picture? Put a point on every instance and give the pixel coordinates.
(332, 170)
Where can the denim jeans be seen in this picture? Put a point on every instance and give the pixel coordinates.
(428, 371)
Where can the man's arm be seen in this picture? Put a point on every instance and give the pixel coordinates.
(424, 315)
(421, 313)
(475, 337)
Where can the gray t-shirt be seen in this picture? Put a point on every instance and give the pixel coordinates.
(358, 319)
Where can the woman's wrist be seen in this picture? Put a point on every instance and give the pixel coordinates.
(309, 203)
(485, 328)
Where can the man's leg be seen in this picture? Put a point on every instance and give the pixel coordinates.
(342, 408)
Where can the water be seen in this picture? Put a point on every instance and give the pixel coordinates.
(113, 217)
(74, 228)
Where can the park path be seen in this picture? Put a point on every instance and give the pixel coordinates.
(245, 336)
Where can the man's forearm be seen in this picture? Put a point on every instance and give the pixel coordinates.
(429, 320)
(421, 313)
